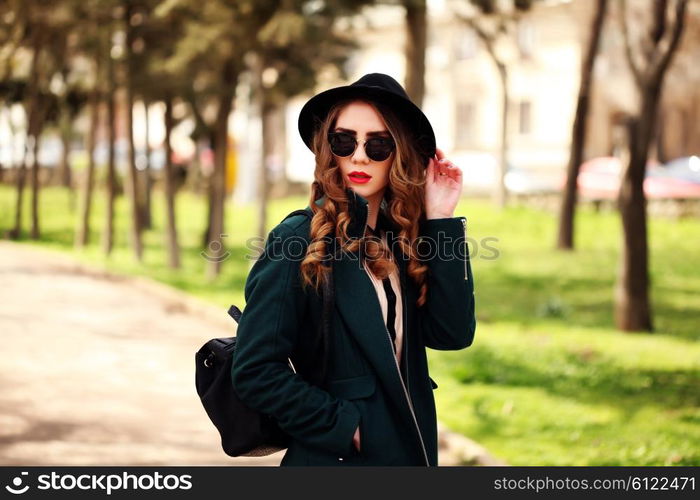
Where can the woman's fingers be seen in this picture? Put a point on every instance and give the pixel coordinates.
(436, 164)
(431, 171)
(447, 169)
(440, 167)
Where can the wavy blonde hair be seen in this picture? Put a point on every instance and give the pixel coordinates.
(404, 194)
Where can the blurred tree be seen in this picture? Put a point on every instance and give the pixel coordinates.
(416, 41)
(578, 134)
(82, 234)
(279, 44)
(495, 23)
(71, 89)
(33, 38)
(161, 33)
(110, 25)
(152, 37)
(216, 36)
(92, 47)
(131, 18)
(173, 247)
(416, 29)
(296, 44)
(649, 51)
(39, 30)
(13, 88)
(678, 128)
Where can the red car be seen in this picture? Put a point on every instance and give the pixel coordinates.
(599, 178)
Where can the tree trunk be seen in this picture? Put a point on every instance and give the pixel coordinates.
(193, 177)
(266, 112)
(34, 232)
(136, 226)
(416, 40)
(147, 175)
(209, 189)
(578, 135)
(108, 235)
(64, 172)
(16, 231)
(173, 247)
(32, 109)
(632, 308)
(632, 311)
(691, 126)
(216, 251)
(500, 188)
(82, 235)
(35, 122)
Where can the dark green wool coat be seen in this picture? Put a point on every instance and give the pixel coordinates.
(394, 406)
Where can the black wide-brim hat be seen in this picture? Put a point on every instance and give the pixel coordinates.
(375, 87)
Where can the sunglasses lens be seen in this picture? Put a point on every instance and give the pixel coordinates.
(341, 144)
(379, 148)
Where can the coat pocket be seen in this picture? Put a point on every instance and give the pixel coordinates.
(353, 388)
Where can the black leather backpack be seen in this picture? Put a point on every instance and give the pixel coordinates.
(243, 430)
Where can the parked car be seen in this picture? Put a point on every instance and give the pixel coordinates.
(684, 169)
(599, 178)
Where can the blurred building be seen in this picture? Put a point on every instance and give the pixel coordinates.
(464, 99)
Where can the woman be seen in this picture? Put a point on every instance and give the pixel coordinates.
(382, 203)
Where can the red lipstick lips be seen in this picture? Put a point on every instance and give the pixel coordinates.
(359, 177)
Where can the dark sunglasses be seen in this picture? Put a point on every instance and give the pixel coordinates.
(376, 148)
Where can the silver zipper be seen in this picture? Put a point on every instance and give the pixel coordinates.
(466, 256)
(396, 363)
(405, 391)
(404, 343)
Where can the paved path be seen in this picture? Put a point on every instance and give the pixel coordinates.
(99, 370)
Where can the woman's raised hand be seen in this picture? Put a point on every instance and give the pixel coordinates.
(443, 187)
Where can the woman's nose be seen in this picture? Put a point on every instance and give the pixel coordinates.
(360, 156)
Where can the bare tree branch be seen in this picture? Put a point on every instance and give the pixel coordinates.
(484, 36)
(663, 54)
(658, 22)
(636, 72)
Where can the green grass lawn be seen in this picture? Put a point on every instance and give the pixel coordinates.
(548, 380)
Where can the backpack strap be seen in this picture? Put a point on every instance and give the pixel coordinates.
(234, 312)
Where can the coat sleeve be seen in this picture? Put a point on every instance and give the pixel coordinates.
(447, 318)
(267, 334)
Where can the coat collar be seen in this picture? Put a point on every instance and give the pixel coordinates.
(358, 207)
